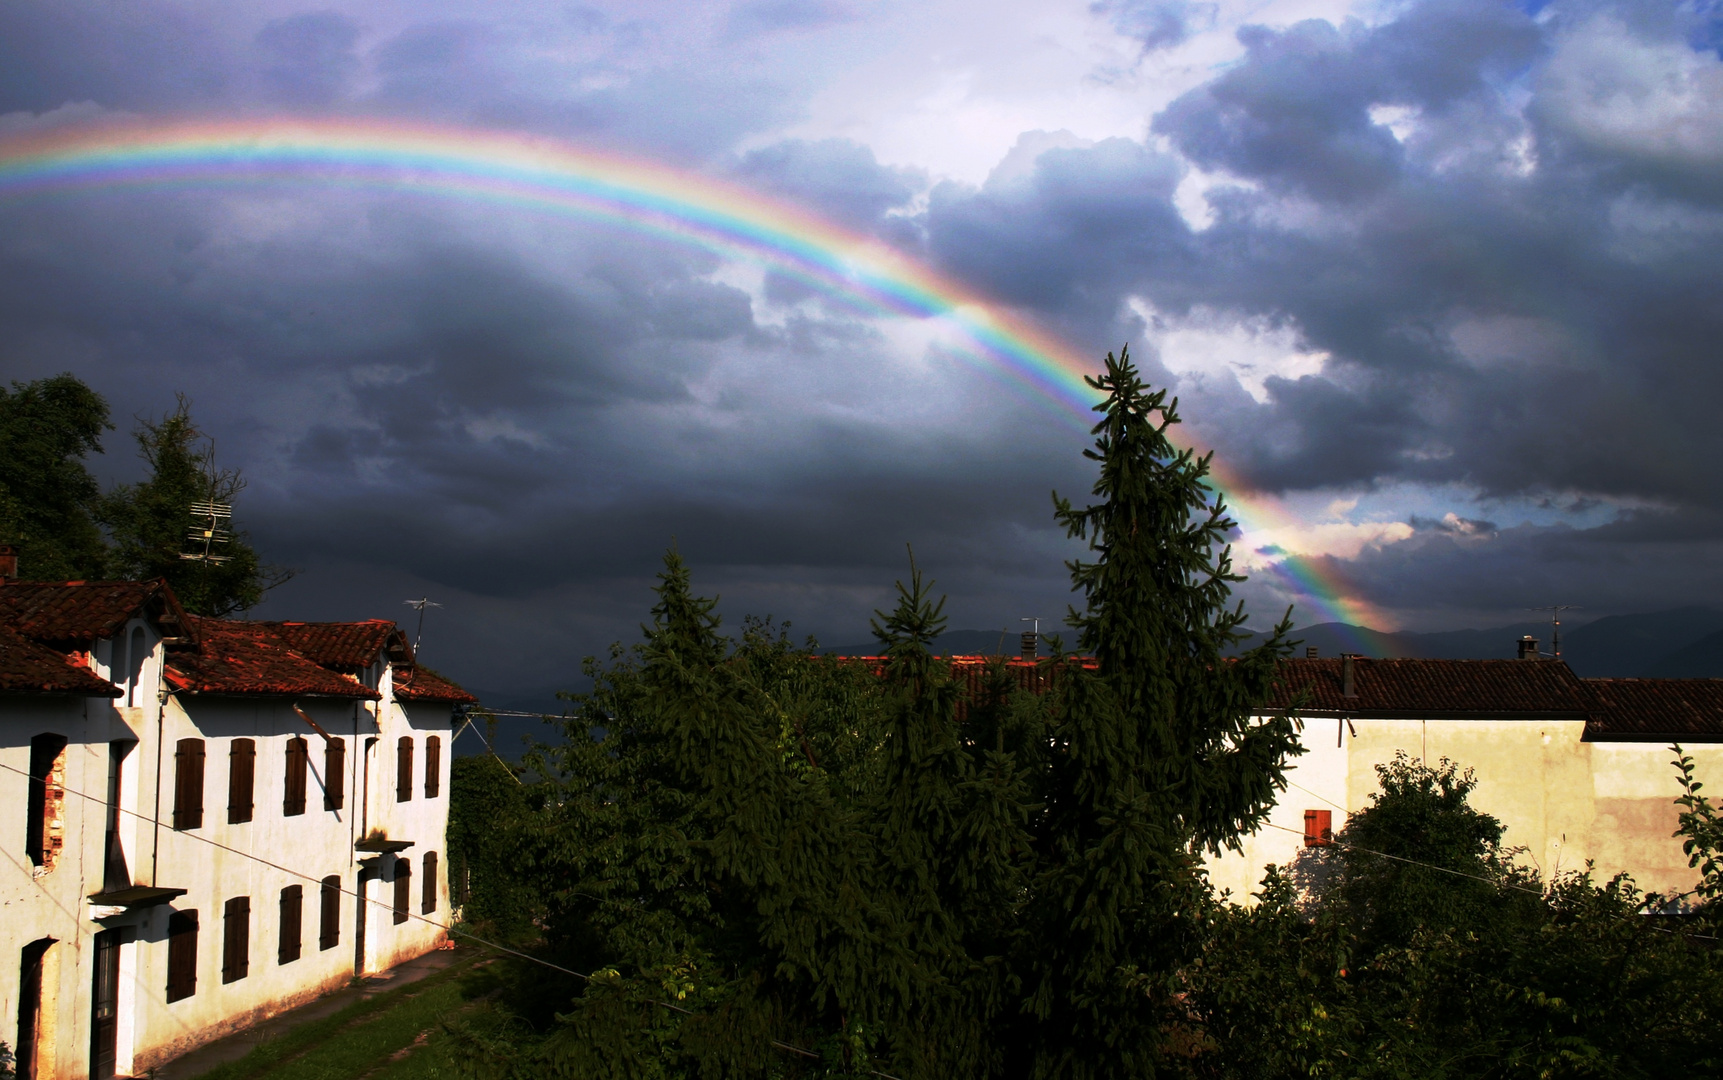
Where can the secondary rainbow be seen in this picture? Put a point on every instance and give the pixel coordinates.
(546, 176)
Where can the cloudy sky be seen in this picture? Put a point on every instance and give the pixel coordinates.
(1440, 281)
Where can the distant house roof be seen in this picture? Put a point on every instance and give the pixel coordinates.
(418, 684)
(344, 644)
(251, 658)
(29, 668)
(1414, 689)
(82, 611)
(1656, 710)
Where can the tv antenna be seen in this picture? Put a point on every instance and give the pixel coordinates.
(1555, 611)
(210, 521)
(420, 605)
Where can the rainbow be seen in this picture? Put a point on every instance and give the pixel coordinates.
(546, 176)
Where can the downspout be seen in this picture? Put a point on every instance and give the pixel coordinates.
(162, 696)
(352, 777)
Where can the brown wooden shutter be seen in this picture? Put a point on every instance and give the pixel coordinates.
(241, 779)
(403, 889)
(236, 939)
(404, 769)
(292, 912)
(182, 955)
(428, 888)
(334, 774)
(433, 767)
(329, 932)
(298, 759)
(188, 784)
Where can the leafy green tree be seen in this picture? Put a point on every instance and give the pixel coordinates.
(149, 521)
(487, 806)
(47, 495)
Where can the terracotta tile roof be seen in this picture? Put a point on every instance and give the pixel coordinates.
(250, 658)
(29, 668)
(1413, 688)
(1656, 710)
(419, 684)
(344, 644)
(82, 611)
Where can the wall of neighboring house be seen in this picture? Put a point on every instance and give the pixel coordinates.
(48, 905)
(422, 817)
(1562, 799)
(223, 860)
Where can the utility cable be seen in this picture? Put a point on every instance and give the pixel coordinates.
(446, 928)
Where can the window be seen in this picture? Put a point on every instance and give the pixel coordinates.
(236, 939)
(329, 931)
(433, 766)
(298, 758)
(1318, 828)
(334, 774)
(292, 912)
(403, 889)
(135, 670)
(43, 825)
(241, 779)
(188, 784)
(428, 890)
(182, 955)
(404, 769)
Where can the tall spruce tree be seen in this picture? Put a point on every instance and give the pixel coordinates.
(149, 521)
(1159, 754)
(47, 495)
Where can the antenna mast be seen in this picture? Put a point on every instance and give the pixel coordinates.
(1555, 611)
(420, 605)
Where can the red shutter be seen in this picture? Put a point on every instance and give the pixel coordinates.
(241, 774)
(182, 955)
(1318, 828)
(403, 889)
(404, 769)
(188, 784)
(329, 933)
(236, 939)
(334, 774)
(298, 758)
(428, 888)
(433, 767)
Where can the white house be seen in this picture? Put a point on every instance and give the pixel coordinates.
(214, 820)
(1577, 770)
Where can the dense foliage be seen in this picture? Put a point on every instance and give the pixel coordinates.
(1416, 947)
(66, 529)
(773, 864)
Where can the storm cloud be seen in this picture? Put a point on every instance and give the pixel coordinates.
(1452, 269)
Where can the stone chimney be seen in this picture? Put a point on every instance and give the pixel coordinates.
(1348, 675)
(1529, 648)
(8, 563)
(1031, 643)
(1311, 652)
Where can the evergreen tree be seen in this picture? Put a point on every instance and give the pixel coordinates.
(47, 495)
(1158, 755)
(149, 521)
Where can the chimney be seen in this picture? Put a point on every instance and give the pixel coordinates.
(1348, 675)
(1031, 645)
(1529, 648)
(8, 563)
(1311, 652)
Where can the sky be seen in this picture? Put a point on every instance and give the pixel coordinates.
(1436, 281)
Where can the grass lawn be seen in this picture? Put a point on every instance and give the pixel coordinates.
(395, 1035)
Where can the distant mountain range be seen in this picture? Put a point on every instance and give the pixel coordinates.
(1684, 642)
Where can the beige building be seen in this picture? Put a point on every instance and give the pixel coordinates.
(1577, 770)
(213, 820)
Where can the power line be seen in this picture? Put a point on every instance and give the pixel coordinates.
(445, 927)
